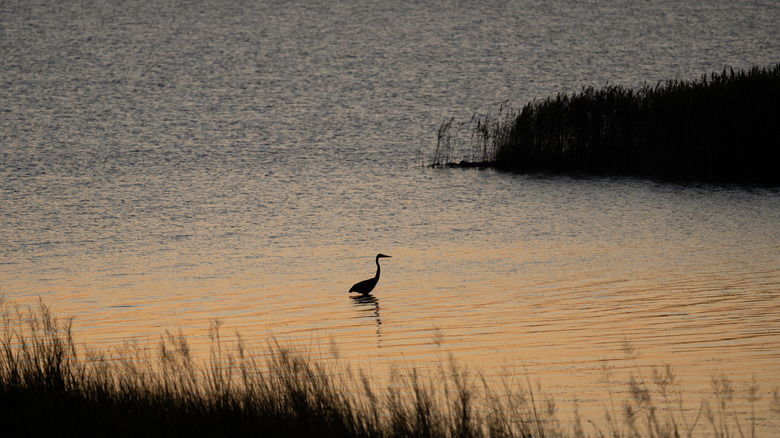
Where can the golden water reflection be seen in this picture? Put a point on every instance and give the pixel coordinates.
(567, 325)
(566, 278)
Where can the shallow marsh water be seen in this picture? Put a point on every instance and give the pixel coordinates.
(166, 165)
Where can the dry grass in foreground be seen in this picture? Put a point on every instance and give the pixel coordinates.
(49, 388)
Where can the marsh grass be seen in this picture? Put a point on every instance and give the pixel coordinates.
(49, 387)
(721, 127)
(473, 143)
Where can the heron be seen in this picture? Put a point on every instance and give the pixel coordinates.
(366, 286)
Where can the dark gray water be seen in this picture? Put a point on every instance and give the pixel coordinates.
(165, 163)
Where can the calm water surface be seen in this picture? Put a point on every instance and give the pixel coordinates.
(163, 165)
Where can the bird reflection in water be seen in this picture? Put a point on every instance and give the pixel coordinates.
(365, 300)
(369, 304)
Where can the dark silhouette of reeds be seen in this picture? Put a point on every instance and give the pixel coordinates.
(48, 389)
(721, 127)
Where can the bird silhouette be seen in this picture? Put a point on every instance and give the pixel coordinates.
(366, 286)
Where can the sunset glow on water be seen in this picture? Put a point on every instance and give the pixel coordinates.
(556, 296)
(165, 167)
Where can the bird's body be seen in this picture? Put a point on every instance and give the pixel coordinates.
(366, 286)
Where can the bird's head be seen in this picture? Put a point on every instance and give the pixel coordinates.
(379, 256)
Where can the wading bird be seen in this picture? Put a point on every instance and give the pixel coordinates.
(366, 286)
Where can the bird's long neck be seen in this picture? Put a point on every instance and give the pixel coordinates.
(377, 269)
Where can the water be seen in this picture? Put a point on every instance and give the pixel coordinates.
(167, 164)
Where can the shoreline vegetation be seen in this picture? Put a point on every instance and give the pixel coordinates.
(50, 387)
(721, 127)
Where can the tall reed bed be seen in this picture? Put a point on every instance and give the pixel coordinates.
(723, 126)
(50, 387)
